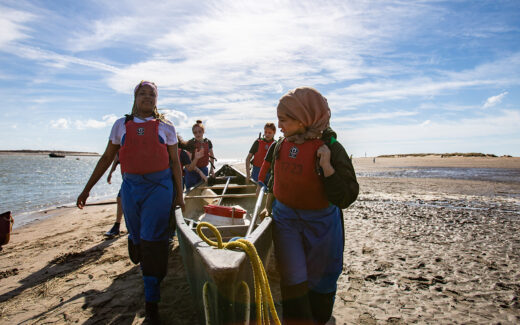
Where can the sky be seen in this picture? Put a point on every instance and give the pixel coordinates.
(399, 76)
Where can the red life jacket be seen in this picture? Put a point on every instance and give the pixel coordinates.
(204, 160)
(296, 181)
(142, 153)
(263, 146)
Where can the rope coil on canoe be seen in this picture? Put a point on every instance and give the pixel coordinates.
(263, 297)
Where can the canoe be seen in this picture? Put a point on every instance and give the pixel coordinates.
(216, 275)
(56, 155)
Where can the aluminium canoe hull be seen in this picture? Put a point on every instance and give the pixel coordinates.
(215, 275)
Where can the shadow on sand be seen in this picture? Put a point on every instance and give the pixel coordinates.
(58, 267)
(123, 301)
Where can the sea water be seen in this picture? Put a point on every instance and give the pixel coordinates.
(34, 183)
(477, 174)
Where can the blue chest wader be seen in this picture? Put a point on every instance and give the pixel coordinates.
(146, 201)
(309, 247)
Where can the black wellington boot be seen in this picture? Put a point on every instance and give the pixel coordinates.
(321, 305)
(152, 314)
(296, 305)
(134, 251)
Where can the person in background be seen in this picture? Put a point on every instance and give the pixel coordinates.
(313, 177)
(187, 165)
(258, 151)
(199, 143)
(114, 231)
(146, 141)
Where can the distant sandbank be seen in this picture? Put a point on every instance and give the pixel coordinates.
(381, 163)
(47, 152)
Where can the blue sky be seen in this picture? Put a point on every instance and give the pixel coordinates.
(400, 76)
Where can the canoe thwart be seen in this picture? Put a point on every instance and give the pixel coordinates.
(220, 195)
(232, 186)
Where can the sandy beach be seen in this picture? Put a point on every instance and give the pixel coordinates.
(417, 250)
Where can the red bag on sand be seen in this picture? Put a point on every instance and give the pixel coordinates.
(6, 225)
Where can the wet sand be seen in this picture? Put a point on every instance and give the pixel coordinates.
(416, 251)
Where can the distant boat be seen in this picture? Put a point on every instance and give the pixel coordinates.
(55, 155)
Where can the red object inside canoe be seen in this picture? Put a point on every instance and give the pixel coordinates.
(223, 211)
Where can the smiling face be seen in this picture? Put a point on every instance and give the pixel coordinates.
(289, 126)
(146, 99)
(198, 133)
(269, 134)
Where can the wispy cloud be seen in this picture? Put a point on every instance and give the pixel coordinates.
(392, 136)
(12, 25)
(61, 123)
(425, 123)
(105, 33)
(494, 100)
(106, 120)
(231, 46)
(374, 116)
(64, 123)
(178, 118)
(57, 60)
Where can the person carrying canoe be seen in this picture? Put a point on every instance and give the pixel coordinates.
(258, 151)
(199, 143)
(312, 179)
(146, 142)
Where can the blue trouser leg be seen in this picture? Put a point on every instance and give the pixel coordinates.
(192, 178)
(308, 246)
(147, 200)
(255, 172)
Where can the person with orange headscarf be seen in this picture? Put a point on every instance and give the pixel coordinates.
(312, 180)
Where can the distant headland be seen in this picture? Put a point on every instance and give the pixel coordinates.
(442, 155)
(47, 152)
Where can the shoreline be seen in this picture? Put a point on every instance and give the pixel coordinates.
(363, 165)
(46, 213)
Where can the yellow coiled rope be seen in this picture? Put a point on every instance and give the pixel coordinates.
(263, 297)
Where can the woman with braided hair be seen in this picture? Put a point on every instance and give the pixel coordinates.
(203, 145)
(146, 142)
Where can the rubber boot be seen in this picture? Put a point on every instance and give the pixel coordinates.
(321, 305)
(296, 305)
(154, 258)
(152, 314)
(134, 251)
